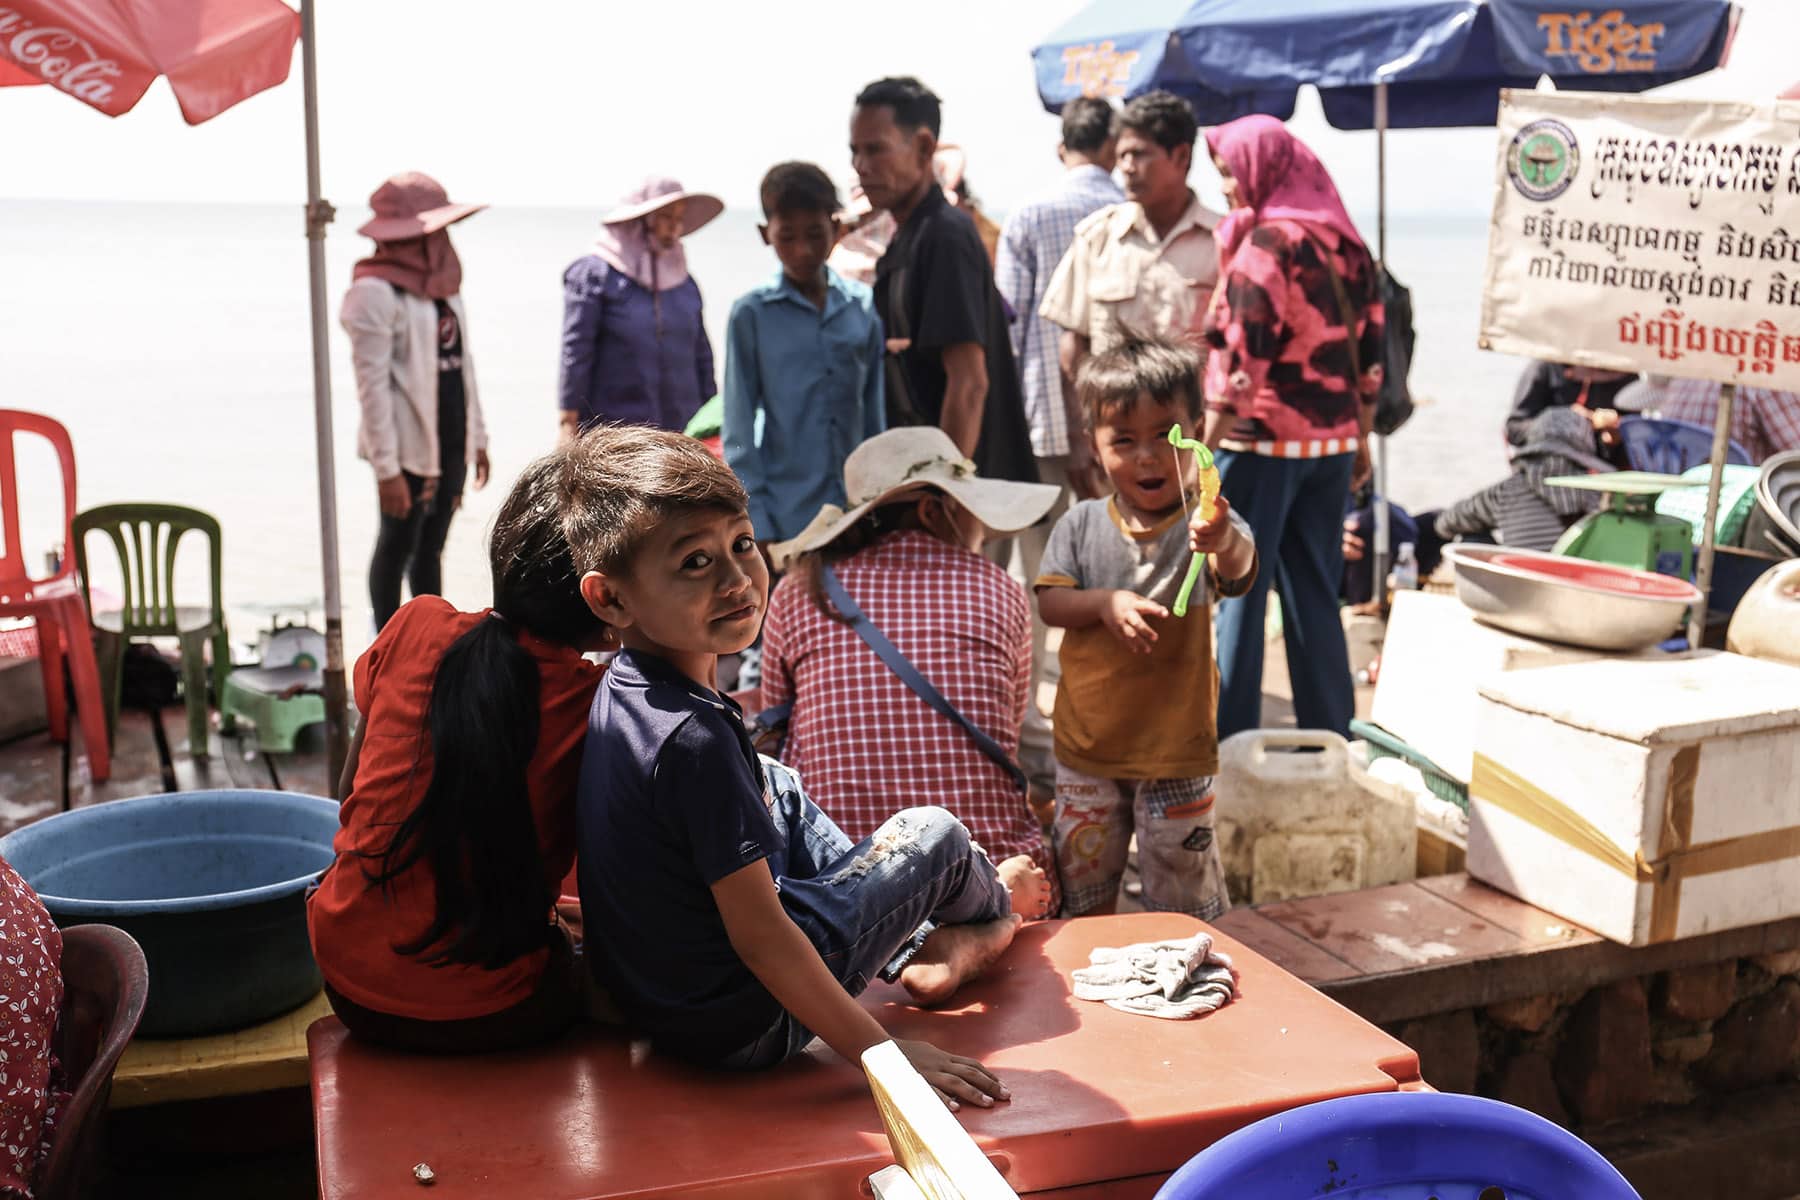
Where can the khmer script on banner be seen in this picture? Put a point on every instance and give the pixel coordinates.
(1647, 235)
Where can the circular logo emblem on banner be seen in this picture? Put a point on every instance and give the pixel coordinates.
(1543, 159)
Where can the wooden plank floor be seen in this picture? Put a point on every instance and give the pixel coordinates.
(39, 777)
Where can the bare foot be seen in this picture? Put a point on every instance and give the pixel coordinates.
(953, 955)
(1029, 886)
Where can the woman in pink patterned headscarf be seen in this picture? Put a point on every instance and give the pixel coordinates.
(1295, 329)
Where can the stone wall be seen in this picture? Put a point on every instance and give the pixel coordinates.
(1586, 1058)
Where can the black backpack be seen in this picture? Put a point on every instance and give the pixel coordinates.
(1395, 406)
(147, 679)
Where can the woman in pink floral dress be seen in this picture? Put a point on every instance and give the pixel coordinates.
(31, 992)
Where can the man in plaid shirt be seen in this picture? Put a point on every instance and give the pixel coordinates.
(1033, 240)
(907, 553)
(1764, 422)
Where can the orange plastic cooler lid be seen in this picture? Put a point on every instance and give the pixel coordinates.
(1098, 1095)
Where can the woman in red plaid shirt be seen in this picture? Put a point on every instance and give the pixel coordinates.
(907, 552)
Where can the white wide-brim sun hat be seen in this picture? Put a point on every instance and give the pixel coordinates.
(658, 192)
(918, 458)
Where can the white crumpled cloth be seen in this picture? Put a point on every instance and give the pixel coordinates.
(1172, 980)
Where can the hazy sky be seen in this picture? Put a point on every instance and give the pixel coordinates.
(565, 103)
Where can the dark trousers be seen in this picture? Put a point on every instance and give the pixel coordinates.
(413, 546)
(1295, 506)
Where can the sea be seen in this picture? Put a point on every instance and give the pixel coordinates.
(174, 343)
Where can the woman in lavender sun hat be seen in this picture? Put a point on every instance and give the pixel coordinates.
(634, 346)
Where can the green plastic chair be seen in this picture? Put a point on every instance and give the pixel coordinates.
(146, 538)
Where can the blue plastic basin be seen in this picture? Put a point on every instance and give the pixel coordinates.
(211, 884)
(1400, 1146)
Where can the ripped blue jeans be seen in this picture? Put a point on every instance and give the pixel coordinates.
(867, 907)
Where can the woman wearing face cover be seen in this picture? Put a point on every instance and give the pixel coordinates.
(1295, 330)
(908, 554)
(634, 347)
(421, 418)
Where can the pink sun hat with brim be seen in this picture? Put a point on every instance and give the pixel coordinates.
(949, 164)
(410, 205)
(660, 191)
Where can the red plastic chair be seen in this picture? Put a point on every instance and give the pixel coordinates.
(105, 985)
(54, 602)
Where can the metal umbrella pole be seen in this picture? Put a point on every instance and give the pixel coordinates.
(1704, 569)
(1379, 457)
(319, 214)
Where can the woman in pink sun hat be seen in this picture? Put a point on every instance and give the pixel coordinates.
(634, 346)
(421, 426)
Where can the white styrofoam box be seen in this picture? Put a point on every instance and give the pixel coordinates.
(1635, 749)
(1304, 824)
(1433, 663)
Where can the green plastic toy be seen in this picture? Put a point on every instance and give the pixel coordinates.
(1207, 483)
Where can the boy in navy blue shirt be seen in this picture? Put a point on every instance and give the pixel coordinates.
(803, 363)
(727, 915)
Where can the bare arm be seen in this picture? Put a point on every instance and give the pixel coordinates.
(1071, 608)
(785, 961)
(965, 394)
(348, 778)
(1126, 614)
(1085, 475)
(1071, 350)
(1218, 422)
(1232, 550)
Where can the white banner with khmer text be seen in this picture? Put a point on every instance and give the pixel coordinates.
(1647, 235)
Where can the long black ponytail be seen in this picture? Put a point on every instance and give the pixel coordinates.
(474, 828)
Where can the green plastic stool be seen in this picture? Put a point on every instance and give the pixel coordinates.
(281, 695)
(146, 538)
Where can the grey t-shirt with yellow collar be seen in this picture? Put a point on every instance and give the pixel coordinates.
(1121, 714)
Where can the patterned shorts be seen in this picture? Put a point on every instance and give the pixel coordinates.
(1177, 854)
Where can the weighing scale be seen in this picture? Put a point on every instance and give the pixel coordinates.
(1627, 530)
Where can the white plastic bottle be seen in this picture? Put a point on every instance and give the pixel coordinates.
(1405, 575)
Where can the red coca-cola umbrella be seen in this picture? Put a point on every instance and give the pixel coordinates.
(106, 53)
(214, 53)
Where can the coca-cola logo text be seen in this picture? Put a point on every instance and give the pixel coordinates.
(58, 56)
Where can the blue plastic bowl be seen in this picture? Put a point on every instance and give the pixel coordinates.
(211, 884)
(1400, 1146)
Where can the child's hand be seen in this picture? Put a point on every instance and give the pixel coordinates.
(1128, 615)
(1211, 533)
(953, 1077)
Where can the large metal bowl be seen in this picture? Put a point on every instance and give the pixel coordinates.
(1571, 600)
(1774, 524)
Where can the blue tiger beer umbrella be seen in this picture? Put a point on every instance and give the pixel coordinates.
(1443, 61)
(1377, 64)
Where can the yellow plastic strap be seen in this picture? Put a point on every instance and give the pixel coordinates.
(1676, 858)
(1507, 789)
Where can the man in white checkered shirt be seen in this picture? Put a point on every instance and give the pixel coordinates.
(1033, 240)
(1763, 421)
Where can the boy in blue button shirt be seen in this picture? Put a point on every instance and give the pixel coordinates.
(728, 916)
(803, 363)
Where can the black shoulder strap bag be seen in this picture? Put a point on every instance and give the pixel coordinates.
(900, 665)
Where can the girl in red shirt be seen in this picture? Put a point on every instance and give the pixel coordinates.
(435, 927)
